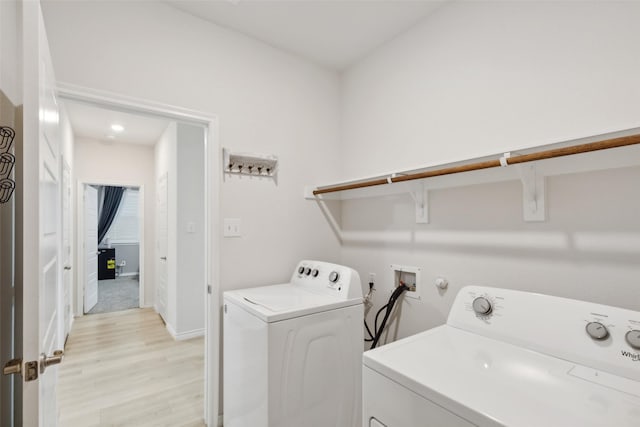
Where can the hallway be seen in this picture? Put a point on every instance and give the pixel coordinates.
(123, 368)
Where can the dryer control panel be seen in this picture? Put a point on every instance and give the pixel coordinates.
(327, 278)
(598, 336)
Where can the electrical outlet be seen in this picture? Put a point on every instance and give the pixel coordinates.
(372, 277)
(232, 227)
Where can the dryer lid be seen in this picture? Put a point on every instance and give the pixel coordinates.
(493, 383)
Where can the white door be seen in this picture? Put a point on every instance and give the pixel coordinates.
(162, 244)
(67, 277)
(38, 221)
(90, 247)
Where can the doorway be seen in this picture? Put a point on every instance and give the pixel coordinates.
(148, 197)
(113, 217)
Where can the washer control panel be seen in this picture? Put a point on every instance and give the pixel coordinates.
(598, 336)
(328, 278)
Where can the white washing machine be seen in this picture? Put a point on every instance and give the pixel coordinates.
(508, 358)
(293, 352)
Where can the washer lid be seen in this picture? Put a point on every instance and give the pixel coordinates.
(286, 301)
(492, 383)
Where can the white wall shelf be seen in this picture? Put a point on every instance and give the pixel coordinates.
(531, 174)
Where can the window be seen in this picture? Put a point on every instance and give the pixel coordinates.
(126, 225)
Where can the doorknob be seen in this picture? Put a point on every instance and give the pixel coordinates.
(46, 361)
(67, 267)
(164, 258)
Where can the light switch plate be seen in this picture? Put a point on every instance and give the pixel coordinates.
(232, 227)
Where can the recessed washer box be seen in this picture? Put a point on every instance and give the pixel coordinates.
(410, 276)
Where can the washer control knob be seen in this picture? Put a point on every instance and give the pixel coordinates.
(597, 331)
(307, 271)
(633, 338)
(300, 270)
(334, 276)
(482, 306)
(315, 272)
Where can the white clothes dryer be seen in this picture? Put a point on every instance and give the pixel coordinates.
(292, 352)
(510, 358)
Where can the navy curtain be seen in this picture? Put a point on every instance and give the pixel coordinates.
(112, 199)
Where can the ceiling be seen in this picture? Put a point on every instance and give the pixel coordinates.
(332, 33)
(93, 122)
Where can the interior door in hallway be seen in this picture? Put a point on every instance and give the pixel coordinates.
(162, 246)
(90, 247)
(38, 258)
(67, 278)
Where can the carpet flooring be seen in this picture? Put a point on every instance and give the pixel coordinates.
(117, 294)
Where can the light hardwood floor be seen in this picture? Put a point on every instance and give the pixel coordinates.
(124, 369)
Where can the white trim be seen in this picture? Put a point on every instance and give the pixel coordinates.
(136, 105)
(212, 217)
(185, 335)
(127, 274)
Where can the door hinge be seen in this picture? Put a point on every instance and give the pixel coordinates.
(208, 289)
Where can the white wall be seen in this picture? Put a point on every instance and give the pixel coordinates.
(190, 245)
(267, 101)
(11, 58)
(180, 155)
(113, 163)
(478, 78)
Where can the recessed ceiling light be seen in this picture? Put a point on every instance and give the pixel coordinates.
(117, 128)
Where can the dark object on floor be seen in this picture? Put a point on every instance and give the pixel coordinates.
(106, 264)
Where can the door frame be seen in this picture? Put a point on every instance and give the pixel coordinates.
(213, 160)
(81, 253)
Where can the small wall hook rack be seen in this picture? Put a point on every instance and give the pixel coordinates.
(249, 164)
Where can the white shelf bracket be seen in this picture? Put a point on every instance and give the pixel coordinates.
(308, 192)
(533, 193)
(420, 196)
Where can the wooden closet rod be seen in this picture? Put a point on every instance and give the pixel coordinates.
(524, 158)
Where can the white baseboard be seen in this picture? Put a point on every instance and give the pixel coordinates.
(185, 335)
(127, 274)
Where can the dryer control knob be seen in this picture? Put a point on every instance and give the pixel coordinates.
(307, 271)
(597, 331)
(482, 306)
(315, 272)
(633, 338)
(334, 276)
(301, 270)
